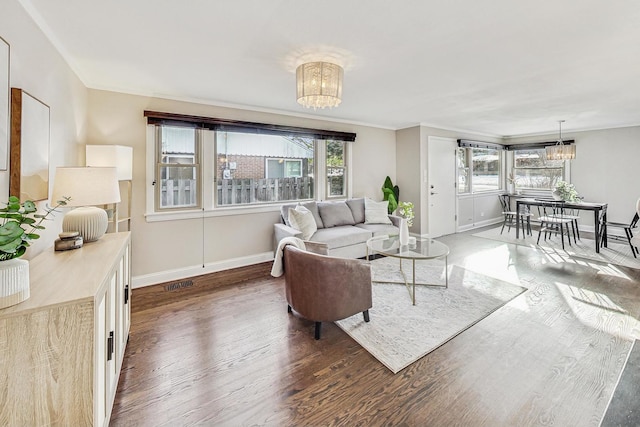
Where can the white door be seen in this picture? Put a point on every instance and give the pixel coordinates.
(441, 185)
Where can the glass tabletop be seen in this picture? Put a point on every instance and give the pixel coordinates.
(423, 248)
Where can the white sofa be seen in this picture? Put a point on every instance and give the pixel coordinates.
(341, 226)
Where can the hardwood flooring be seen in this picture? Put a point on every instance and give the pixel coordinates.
(223, 350)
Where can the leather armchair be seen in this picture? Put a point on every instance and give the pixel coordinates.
(325, 289)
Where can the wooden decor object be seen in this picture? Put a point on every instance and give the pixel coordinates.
(29, 158)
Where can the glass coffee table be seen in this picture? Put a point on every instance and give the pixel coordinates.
(423, 249)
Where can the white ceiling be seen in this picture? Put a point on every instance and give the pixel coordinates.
(493, 67)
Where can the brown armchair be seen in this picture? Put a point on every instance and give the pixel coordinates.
(325, 289)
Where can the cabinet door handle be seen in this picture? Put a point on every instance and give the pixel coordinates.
(110, 346)
(126, 294)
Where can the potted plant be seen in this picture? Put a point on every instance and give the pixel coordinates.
(391, 193)
(566, 192)
(19, 223)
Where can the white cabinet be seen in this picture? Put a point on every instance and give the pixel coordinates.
(61, 350)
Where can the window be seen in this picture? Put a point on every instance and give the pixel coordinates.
(206, 163)
(178, 168)
(336, 169)
(253, 168)
(533, 171)
(479, 169)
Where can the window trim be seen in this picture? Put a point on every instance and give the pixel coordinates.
(511, 164)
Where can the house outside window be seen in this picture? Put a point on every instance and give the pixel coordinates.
(533, 171)
(253, 168)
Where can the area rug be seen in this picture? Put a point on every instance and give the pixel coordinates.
(400, 333)
(616, 253)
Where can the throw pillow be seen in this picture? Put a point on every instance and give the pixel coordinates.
(334, 214)
(302, 220)
(376, 212)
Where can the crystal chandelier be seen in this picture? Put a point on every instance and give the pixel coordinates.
(561, 151)
(319, 84)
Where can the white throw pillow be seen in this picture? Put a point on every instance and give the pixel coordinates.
(376, 212)
(302, 220)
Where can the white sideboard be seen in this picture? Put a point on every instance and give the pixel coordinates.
(61, 350)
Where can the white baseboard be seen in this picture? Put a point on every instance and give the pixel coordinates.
(484, 223)
(197, 270)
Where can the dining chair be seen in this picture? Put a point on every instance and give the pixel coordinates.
(628, 230)
(511, 218)
(553, 221)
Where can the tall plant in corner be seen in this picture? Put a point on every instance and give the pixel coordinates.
(391, 193)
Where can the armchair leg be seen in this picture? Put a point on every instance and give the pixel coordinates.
(318, 327)
(366, 315)
(289, 309)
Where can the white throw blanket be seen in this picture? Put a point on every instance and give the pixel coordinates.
(278, 265)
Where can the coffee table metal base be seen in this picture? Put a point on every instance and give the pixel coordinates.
(412, 287)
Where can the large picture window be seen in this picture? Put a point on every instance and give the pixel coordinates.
(205, 163)
(533, 171)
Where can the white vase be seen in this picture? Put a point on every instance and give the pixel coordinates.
(556, 195)
(14, 281)
(404, 232)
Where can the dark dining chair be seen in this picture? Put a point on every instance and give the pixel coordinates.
(511, 218)
(553, 221)
(628, 229)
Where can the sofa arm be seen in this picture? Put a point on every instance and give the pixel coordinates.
(395, 220)
(280, 231)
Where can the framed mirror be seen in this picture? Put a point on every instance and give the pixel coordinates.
(29, 153)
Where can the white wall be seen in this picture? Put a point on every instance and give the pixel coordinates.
(173, 249)
(38, 68)
(604, 168)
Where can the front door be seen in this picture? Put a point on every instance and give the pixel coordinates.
(441, 185)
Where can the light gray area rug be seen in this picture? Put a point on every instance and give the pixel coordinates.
(616, 253)
(400, 333)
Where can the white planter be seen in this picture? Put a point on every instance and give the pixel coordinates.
(404, 232)
(14, 282)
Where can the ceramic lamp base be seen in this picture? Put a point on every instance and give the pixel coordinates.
(14, 282)
(91, 222)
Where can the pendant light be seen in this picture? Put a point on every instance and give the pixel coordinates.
(561, 151)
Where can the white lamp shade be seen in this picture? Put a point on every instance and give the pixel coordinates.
(86, 186)
(117, 156)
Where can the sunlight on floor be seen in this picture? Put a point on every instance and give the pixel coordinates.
(555, 256)
(597, 311)
(495, 262)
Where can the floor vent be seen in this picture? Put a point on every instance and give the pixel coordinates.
(178, 285)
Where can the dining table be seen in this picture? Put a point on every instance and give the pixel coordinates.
(599, 215)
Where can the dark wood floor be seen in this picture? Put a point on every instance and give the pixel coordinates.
(222, 350)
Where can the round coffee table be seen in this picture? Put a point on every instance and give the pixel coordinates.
(423, 249)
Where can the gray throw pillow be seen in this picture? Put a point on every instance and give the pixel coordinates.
(334, 214)
(357, 209)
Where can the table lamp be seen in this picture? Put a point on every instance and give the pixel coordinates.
(86, 187)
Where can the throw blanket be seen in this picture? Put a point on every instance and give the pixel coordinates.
(278, 265)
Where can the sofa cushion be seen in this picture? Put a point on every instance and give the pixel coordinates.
(337, 237)
(376, 212)
(302, 219)
(357, 209)
(334, 214)
(311, 206)
(380, 229)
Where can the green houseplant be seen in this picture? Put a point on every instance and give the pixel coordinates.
(391, 193)
(19, 224)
